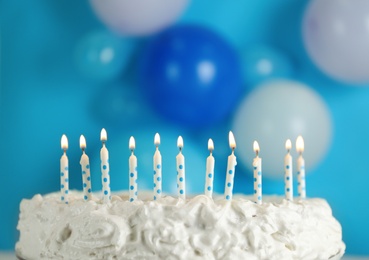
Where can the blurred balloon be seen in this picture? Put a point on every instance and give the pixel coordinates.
(277, 111)
(336, 36)
(120, 104)
(119, 154)
(103, 55)
(190, 75)
(138, 17)
(264, 63)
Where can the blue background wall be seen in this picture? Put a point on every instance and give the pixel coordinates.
(43, 95)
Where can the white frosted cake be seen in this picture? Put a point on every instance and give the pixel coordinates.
(171, 228)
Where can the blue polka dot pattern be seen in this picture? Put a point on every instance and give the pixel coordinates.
(181, 191)
(228, 197)
(158, 191)
(62, 198)
(210, 175)
(259, 197)
(288, 178)
(287, 167)
(154, 172)
(259, 185)
(230, 172)
(180, 166)
(89, 190)
(136, 193)
(158, 179)
(106, 192)
(88, 178)
(288, 189)
(104, 167)
(87, 166)
(255, 191)
(255, 167)
(66, 168)
(105, 179)
(229, 184)
(84, 185)
(209, 188)
(62, 174)
(83, 172)
(66, 192)
(131, 187)
(154, 185)
(85, 197)
(154, 197)
(62, 186)
(259, 173)
(158, 166)
(66, 180)
(132, 174)
(181, 179)
(255, 179)
(131, 199)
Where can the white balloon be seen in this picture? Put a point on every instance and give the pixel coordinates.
(336, 36)
(274, 112)
(137, 17)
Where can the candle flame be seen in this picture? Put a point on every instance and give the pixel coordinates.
(157, 139)
(64, 142)
(300, 144)
(256, 147)
(210, 145)
(232, 141)
(288, 145)
(82, 142)
(180, 142)
(132, 143)
(103, 135)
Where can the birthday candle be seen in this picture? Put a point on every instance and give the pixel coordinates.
(301, 168)
(257, 175)
(64, 171)
(209, 170)
(104, 156)
(181, 184)
(288, 172)
(157, 169)
(232, 162)
(85, 165)
(132, 171)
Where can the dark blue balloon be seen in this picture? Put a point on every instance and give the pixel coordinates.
(190, 75)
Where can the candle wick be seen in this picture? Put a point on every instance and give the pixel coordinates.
(211, 151)
(132, 151)
(257, 153)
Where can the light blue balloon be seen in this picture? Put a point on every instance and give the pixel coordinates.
(120, 105)
(263, 63)
(119, 153)
(103, 55)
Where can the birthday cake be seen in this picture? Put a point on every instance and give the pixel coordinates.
(173, 228)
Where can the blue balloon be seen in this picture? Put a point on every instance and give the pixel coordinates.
(264, 63)
(103, 55)
(190, 75)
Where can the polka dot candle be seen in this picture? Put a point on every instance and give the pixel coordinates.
(301, 184)
(257, 175)
(231, 167)
(181, 181)
(157, 169)
(85, 166)
(288, 172)
(64, 172)
(105, 178)
(132, 171)
(209, 178)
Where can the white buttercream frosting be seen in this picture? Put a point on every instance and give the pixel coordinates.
(169, 228)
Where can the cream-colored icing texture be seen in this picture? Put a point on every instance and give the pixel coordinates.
(198, 228)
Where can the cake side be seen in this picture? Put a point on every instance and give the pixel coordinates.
(198, 228)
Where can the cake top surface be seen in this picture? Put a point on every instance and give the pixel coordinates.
(196, 228)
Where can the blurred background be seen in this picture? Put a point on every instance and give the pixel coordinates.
(267, 70)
